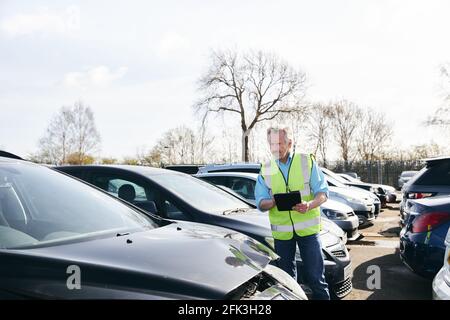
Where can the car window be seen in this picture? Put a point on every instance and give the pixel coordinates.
(243, 186)
(127, 188)
(172, 212)
(438, 174)
(198, 193)
(39, 206)
(223, 181)
(114, 186)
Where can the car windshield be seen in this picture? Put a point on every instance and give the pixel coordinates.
(198, 193)
(437, 175)
(330, 176)
(350, 178)
(39, 206)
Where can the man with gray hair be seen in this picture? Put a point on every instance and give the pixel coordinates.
(288, 172)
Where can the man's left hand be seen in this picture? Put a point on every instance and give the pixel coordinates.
(301, 207)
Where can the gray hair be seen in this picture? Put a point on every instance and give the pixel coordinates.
(282, 128)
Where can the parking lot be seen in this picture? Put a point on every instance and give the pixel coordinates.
(380, 247)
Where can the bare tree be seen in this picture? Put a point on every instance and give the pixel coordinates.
(346, 117)
(373, 135)
(71, 132)
(54, 146)
(256, 86)
(85, 137)
(177, 146)
(318, 129)
(205, 141)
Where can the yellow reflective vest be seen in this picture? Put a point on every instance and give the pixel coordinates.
(285, 223)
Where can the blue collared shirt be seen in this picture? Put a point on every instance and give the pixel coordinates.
(318, 183)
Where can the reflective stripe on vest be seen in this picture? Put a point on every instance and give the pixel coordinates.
(297, 226)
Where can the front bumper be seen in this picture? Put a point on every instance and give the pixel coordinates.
(441, 289)
(365, 216)
(350, 226)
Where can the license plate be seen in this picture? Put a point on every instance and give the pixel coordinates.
(348, 271)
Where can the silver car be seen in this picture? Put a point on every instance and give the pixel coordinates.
(404, 177)
(441, 282)
(343, 216)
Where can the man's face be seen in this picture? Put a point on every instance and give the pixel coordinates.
(278, 145)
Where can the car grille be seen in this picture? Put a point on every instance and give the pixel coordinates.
(339, 253)
(343, 288)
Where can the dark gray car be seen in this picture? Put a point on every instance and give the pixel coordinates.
(432, 180)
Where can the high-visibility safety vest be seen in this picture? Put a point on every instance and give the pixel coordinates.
(285, 223)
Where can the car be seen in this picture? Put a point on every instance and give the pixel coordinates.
(243, 183)
(354, 175)
(422, 239)
(61, 238)
(432, 180)
(441, 282)
(404, 177)
(375, 189)
(365, 204)
(391, 196)
(343, 216)
(175, 195)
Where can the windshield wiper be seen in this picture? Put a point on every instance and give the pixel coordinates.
(237, 210)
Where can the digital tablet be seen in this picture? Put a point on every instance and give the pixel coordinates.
(285, 201)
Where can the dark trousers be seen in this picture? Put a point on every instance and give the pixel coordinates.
(313, 270)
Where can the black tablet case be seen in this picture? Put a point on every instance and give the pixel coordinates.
(285, 201)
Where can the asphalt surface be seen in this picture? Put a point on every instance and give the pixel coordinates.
(379, 247)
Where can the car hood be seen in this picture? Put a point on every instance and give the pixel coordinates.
(350, 192)
(336, 206)
(332, 227)
(261, 219)
(186, 259)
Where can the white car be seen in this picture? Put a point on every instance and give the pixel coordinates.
(361, 202)
(343, 216)
(441, 282)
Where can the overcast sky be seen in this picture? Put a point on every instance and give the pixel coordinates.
(136, 63)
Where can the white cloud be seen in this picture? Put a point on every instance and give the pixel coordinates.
(42, 21)
(100, 76)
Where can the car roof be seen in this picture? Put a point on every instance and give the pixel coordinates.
(212, 167)
(143, 170)
(228, 174)
(433, 161)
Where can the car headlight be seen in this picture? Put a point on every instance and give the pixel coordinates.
(335, 215)
(271, 242)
